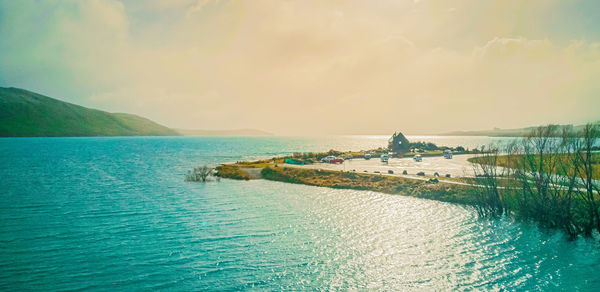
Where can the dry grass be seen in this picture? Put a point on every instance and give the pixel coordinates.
(516, 162)
(232, 171)
(256, 164)
(378, 183)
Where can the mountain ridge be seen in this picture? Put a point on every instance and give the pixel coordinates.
(28, 114)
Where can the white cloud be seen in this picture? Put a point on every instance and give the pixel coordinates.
(339, 65)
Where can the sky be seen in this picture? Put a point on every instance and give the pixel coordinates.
(312, 67)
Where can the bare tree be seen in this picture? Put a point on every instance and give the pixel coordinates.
(567, 179)
(535, 174)
(548, 176)
(199, 174)
(487, 178)
(589, 137)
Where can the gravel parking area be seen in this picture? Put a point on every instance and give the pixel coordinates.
(458, 166)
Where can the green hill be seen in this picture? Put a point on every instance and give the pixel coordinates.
(28, 114)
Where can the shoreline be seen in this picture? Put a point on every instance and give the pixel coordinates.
(453, 190)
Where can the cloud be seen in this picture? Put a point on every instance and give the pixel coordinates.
(63, 42)
(199, 6)
(338, 66)
(518, 48)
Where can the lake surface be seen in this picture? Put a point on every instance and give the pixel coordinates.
(115, 213)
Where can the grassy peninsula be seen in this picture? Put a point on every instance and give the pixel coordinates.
(274, 169)
(27, 114)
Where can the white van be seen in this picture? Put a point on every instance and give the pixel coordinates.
(448, 154)
(384, 158)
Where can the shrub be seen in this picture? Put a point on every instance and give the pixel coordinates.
(198, 174)
(350, 175)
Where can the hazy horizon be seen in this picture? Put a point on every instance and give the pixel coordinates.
(312, 67)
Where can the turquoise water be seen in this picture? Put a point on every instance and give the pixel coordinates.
(115, 213)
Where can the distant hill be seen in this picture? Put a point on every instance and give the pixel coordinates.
(239, 132)
(496, 132)
(27, 114)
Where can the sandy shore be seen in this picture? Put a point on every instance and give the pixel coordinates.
(458, 166)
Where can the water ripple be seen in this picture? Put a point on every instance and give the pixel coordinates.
(108, 214)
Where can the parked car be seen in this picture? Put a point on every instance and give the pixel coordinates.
(384, 158)
(327, 159)
(448, 154)
(418, 158)
(367, 156)
(332, 159)
(337, 160)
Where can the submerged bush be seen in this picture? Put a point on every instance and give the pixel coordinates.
(198, 174)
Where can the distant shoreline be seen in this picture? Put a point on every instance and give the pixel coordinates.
(506, 133)
(224, 133)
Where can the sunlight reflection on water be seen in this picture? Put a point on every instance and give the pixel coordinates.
(115, 213)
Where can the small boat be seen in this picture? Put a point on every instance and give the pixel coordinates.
(384, 158)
